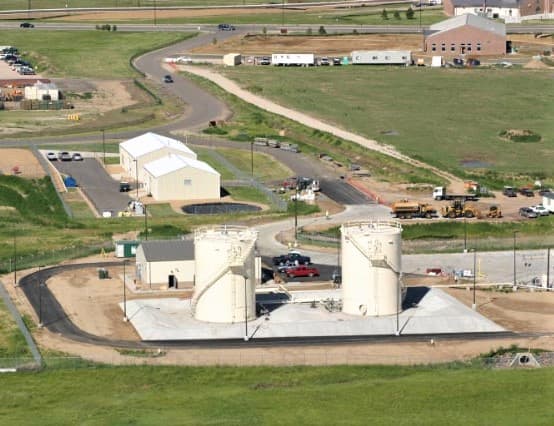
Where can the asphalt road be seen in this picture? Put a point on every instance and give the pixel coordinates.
(99, 187)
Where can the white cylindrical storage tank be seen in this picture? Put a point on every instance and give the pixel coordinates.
(371, 267)
(225, 282)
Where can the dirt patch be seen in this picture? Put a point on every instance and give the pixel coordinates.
(328, 45)
(20, 162)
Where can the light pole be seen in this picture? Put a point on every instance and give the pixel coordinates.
(421, 29)
(15, 259)
(548, 267)
(145, 224)
(252, 157)
(398, 297)
(245, 310)
(104, 147)
(474, 305)
(296, 214)
(136, 177)
(125, 319)
(515, 285)
(40, 285)
(283, 13)
(465, 235)
(155, 17)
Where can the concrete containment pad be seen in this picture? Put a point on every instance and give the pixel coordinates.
(426, 311)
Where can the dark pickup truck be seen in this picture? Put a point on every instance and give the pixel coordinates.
(292, 258)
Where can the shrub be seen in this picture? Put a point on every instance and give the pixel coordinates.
(410, 13)
(322, 30)
(384, 14)
(396, 14)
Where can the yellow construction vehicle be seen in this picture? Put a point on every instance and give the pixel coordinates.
(494, 212)
(405, 209)
(459, 209)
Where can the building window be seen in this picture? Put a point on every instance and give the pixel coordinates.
(374, 57)
(478, 47)
(187, 182)
(452, 47)
(433, 47)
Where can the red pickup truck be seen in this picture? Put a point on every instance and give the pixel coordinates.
(302, 271)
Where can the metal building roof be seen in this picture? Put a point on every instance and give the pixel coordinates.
(512, 4)
(172, 162)
(168, 250)
(150, 142)
(471, 20)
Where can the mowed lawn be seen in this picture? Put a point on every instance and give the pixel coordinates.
(443, 116)
(279, 396)
(45, 4)
(93, 54)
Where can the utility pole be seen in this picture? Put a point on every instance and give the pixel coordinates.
(515, 284)
(296, 215)
(15, 259)
(155, 12)
(245, 309)
(125, 319)
(145, 223)
(548, 267)
(104, 147)
(474, 306)
(252, 157)
(136, 176)
(465, 235)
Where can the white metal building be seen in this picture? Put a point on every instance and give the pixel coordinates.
(176, 177)
(156, 261)
(371, 267)
(136, 152)
(41, 90)
(225, 285)
(381, 57)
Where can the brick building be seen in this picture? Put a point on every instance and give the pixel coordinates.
(466, 34)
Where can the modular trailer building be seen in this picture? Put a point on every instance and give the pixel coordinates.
(381, 57)
(293, 59)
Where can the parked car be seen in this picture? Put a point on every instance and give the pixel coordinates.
(168, 79)
(26, 25)
(226, 27)
(124, 187)
(64, 156)
(544, 191)
(527, 192)
(324, 62)
(527, 212)
(266, 60)
(509, 191)
(294, 256)
(337, 61)
(540, 210)
(302, 271)
(52, 156)
(77, 157)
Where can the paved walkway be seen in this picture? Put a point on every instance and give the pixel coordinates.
(267, 105)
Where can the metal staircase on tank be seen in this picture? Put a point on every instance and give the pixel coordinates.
(235, 258)
(375, 255)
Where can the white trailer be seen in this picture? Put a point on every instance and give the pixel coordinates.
(381, 57)
(293, 59)
(232, 59)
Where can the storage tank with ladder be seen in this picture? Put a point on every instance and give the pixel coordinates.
(371, 267)
(225, 284)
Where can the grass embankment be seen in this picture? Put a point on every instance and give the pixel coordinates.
(298, 395)
(12, 342)
(92, 55)
(445, 117)
(249, 122)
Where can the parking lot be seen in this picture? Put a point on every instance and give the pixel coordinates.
(98, 186)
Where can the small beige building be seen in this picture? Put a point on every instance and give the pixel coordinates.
(232, 59)
(176, 177)
(136, 152)
(165, 262)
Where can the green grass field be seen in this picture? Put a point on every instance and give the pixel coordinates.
(46, 4)
(94, 54)
(249, 122)
(444, 117)
(12, 343)
(344, 395)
